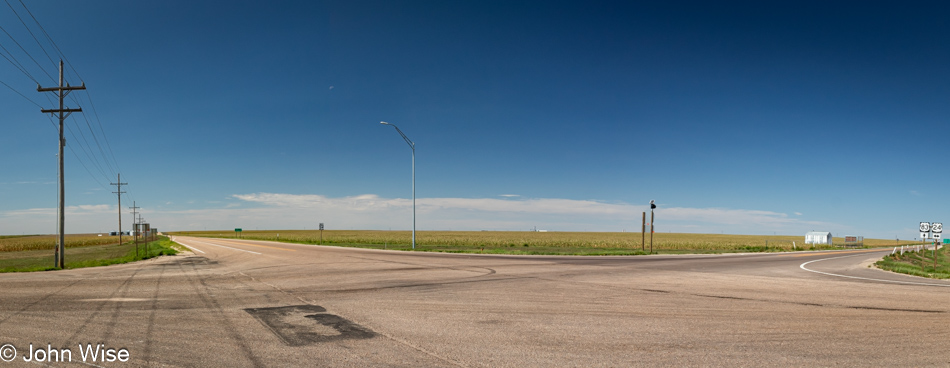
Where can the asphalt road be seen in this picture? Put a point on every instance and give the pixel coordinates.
(263, 304)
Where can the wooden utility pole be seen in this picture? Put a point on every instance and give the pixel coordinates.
(119, 192)
(62, 113)
(643, 232)
(134, 229)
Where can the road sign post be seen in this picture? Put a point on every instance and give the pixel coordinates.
(321, 233)
(937, 228)
(237, 232)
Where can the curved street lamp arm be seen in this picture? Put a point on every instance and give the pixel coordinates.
(408, 141)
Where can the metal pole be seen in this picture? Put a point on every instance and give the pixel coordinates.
(651, 231)
(413, 196)
(412, 145)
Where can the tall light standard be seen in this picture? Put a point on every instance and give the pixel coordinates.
(413, 146)
(652, 207)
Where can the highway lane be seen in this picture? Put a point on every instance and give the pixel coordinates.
(244, 303)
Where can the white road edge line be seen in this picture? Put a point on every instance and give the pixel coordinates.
(864, 278)
(190, 247)
(216, 245)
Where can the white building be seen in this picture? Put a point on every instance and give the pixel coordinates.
(818, 237)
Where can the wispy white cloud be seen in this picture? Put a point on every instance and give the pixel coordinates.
(509, 195)
(489, 213)
(369, 211)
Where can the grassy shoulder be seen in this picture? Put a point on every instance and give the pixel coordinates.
(535, 243)
(918, 263)
(87, 256)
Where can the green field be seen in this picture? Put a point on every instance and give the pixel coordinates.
(524, 242)
(919, 263)
(84, 255)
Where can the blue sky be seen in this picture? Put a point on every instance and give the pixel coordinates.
(737, 117)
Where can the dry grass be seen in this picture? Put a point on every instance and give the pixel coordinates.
(495, 239)
(42, 242)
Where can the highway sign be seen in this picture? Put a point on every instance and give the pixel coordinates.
(924, 227)
(936, 236)
(936, 227)
(924, 235)
(238, 230)
(321, 226)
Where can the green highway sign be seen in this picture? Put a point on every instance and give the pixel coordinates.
(238, 230)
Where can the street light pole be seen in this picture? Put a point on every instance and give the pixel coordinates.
(412, 145)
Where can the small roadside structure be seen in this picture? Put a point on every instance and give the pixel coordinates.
(818, 237)
(853, 241)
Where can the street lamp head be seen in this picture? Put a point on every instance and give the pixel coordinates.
(383, 122)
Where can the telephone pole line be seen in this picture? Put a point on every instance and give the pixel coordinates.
(62, 113)
(134, 228)
(119, 192)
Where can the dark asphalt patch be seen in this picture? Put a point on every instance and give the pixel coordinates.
(300, 325)
(193, 261)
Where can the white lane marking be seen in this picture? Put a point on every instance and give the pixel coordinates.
(190, 247)
(222, 246)
(864, 278)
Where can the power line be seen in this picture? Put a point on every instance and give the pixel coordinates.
(91, 157)
(16, 63)
(31, 32)
(113, 168)
(27, 53)
(96, 140)
(21, 95)
(95, 113)
(50, 39)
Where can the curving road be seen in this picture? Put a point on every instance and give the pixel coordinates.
(240, 303)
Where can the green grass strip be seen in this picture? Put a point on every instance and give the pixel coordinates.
(918, 263)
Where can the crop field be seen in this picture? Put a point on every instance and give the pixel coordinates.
(537, 242)
(40, 242)
(85, 256)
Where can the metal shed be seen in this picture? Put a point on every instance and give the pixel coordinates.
(818, 237)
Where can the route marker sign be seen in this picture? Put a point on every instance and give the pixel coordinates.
(936, 227)
(924, 235)
(936, 236)
(924, 227)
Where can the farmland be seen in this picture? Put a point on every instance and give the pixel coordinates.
(514, 242)
(84, 253)
(41, 242)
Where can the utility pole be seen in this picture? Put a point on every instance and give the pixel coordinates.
(119, 192)
(136, 236)
(62, 113)
(643, 233)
